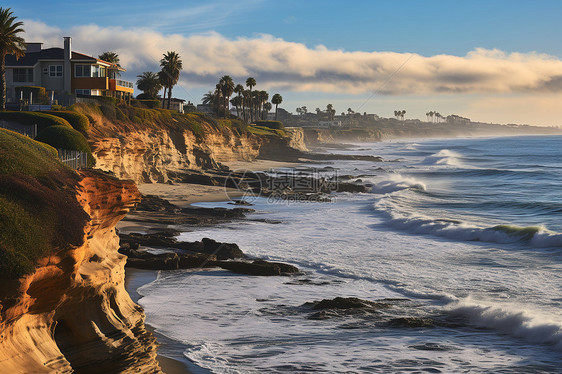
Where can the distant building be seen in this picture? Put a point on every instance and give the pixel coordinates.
(175, 104)
(64, 74)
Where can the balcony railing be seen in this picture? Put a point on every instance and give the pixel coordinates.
(123, 83)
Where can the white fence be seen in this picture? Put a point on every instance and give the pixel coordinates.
(73, 159)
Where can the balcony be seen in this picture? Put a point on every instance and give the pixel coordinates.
(120, 85)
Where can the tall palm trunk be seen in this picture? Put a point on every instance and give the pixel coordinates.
(169, 96)
(3, 80)
(276, 105)
(164, 97)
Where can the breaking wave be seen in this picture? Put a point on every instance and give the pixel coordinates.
(534, 236)
(443, 157)
(518, 322)
(396, 182)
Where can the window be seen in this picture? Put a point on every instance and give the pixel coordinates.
(90, 71)
(55, 71)
(23, 75)
(83, 92)
(82, 70)
(98, 72)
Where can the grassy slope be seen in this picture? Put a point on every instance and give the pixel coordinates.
(111, 120)
(39, 213)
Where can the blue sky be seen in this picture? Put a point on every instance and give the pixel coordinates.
(425, 28)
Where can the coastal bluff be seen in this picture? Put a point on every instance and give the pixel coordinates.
(65, 309)
(159, 146)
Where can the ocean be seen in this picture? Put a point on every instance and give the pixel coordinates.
(461, 239)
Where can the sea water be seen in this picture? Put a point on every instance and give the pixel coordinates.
(461, 235)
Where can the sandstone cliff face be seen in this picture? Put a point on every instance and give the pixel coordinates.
(73, 313)
(149, 156)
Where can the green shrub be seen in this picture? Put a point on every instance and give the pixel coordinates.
(42, 120)
(271, 124)
(262, 130)
(78, 121)
(151, 104)
(106, 100)
(65, 138)
(39, 212)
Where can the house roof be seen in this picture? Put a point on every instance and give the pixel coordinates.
(30, 59)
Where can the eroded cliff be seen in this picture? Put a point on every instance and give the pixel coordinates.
(155, 145)
(72, 313)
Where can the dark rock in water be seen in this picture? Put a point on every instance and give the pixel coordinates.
(350, 187)
(196, 260)
(153, 203)
(285, 268)
(167, 261)
(223, 251)
(431, 347)
(241, 202)
(156, 262)
(258, 267)
(348, 303)
(218, 212)
(412, 322)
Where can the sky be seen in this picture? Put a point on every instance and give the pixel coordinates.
(492, 61)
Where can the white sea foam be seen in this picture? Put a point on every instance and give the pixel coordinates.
(396, 182)
(537, 237)
(443, 157)
(516, 320)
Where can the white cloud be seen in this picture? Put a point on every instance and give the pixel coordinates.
(276, 63)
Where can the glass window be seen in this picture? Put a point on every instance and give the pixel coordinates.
(55, 70)
(23, 75)
(83, 92)
(82, 70)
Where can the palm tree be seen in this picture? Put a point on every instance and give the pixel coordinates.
(402, 113)
(237, 102)
(208, 98)
(227, 88)
(149, 83)
(110, 57)
(266, 108)
(10, 44)
(263, 96)
(278, 99)
(251, 82)
(246, 103)
(171, 67)
(331, 111)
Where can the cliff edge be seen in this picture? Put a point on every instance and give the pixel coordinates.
(63, 307)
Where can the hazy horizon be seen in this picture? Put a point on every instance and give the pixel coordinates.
(488, 62)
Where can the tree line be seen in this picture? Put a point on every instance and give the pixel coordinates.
(250, 104)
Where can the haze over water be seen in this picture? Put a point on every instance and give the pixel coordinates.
(463, 236)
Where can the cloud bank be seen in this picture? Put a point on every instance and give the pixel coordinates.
(283, 65)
